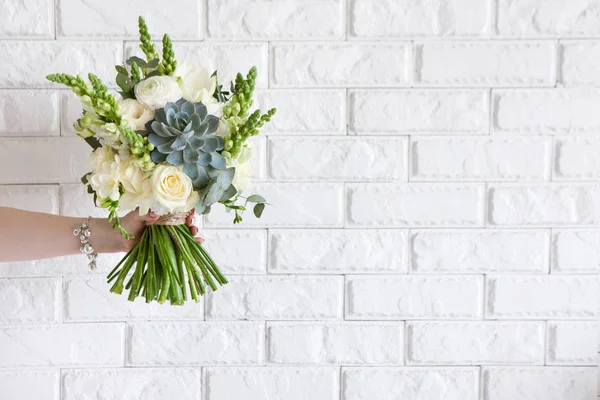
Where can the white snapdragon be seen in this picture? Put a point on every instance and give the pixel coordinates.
(155, 92)
(109, 135)
(135, 114)
(99, 157)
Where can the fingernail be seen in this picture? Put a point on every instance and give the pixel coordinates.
(152, 214)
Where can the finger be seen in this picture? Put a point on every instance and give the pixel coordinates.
(193, 230)
(189, 221)
(200, 240)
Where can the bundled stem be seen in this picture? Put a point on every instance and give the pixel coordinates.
(168, 261)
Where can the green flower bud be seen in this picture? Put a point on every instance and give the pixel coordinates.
(150, 147)
(228, 144)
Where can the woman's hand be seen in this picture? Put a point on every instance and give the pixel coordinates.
(108, 240)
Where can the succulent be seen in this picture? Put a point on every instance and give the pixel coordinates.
(183, 133)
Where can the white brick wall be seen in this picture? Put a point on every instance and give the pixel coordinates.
(433, 168)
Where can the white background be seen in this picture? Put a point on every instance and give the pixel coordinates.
(433, 166)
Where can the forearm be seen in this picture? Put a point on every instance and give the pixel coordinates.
(26, 235)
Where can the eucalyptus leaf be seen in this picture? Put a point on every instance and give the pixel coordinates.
(258, 209)
(121, 69)
(226, 177)
(140, 62)
(229, 193)
(124, 82)
(206, 210)
(255, 198)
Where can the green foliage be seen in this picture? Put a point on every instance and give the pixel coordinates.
(146, 41)
(259, 206)
(141, 149)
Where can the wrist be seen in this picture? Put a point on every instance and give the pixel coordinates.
(104, 238)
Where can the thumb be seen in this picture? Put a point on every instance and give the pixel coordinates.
(148, 218)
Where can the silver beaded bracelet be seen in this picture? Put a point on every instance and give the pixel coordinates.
(83, 231)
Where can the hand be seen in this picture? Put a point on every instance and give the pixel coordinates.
(109, 240)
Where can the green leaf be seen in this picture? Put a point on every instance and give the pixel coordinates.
(256, 199)
(258, 209)
(141, 63)
(151, 64)
(121, 69)
(242, 208)
(153, 73)
(206, 210)
(229, 193)
(84, 179)
(225, 177)
(124, 82)
(93, 142)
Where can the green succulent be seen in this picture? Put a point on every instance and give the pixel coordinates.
(183, 133)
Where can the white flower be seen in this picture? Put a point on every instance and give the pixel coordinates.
(173, 190)
(105, 181)
(138, 189)
(136, 114)
(243, 169)
(196, 83)
(99, 157)
(157, 91)
(109, 135)
(223, 129)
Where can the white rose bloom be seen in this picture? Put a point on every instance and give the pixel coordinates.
(196, 83)
(106, 181)
(138, 189)
(136, 114)
(173, 190)
(243, 169)
(157, 91)
(99, 157)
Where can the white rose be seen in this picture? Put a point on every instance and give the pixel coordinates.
(243, 169)
(173, 190)
(99, 157)
(196, 83)
(136, 114)
(138, 189)
(157, 91)
(106, 180)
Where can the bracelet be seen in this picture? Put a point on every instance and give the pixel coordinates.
(83, 231)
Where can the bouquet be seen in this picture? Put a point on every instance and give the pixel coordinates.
(173, 140)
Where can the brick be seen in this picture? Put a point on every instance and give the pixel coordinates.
(226, 58)
(131, 383)
(81, 19)
(40, 198)
(552, 111)
(90, 299)
(274, 297)
(576, 158)
(288, 19)
(546, 297)
(337, 251)
(531, 18)
(29, 300)
(392, 205)
(237, 251)
(475, 343)
(579, 62)
(388, 18)
(29, 113)
(335, 343)
(572, 343)
(259, 158)
(486, 64)
(27, 19)
(540, 383)
(311, 158)
(414, 297)
(17, 385)
(480, 251)
(480, 159)
(196, 343)
(410, 383)
(356, 64)
(47, 161)
(75, 201)
(59, 266)
(62, 345)
(305, 112)
(541, 205)
(306, 205)
(315, 383)
(24, 69)
(575, 251)
(422, 111)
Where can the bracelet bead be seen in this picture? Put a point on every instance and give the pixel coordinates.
(83, 231)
